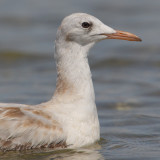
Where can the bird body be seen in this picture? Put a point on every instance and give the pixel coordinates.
(69, 119)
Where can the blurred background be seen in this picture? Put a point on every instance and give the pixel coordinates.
(126, 75)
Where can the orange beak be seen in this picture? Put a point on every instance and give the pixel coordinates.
(123, 36)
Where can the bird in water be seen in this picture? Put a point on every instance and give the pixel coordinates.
(69, 119)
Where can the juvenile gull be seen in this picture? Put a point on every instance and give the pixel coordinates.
(69, 119)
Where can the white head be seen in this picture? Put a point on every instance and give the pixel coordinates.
(84, 29)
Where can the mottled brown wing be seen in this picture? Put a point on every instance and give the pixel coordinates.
(28, 127)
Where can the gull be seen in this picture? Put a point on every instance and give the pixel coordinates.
(69, 119)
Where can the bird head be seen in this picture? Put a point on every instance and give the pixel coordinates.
(84, 29)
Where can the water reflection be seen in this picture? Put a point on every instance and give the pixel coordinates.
(88, 153)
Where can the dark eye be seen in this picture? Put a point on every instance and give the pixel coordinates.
(85, 25)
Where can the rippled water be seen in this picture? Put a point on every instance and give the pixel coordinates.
(125, 74)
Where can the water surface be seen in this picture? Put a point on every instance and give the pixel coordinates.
(125, 74)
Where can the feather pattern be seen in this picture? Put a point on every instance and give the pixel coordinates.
(18, 126)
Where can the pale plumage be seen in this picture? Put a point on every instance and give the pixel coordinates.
(70, 118)
(24, 127)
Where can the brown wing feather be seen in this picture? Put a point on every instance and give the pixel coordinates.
(29, 127)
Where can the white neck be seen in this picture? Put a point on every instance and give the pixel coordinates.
(73, 72)
(74, 90)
